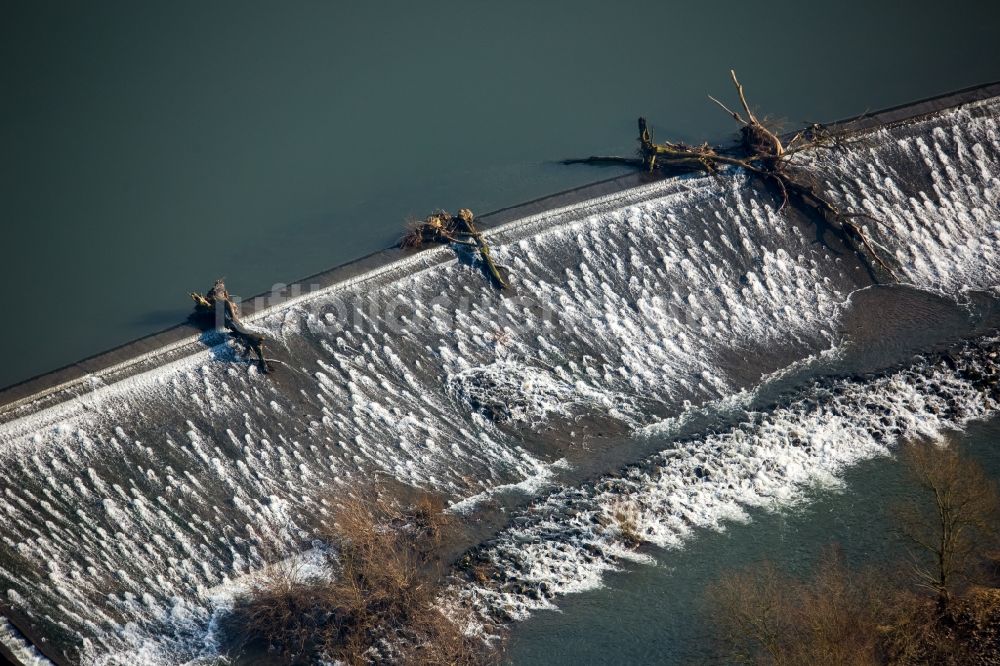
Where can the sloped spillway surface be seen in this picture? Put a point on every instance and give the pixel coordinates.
(683, 349)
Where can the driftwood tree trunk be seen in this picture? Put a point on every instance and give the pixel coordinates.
(218, 305)
(459, 229)
(466, 218)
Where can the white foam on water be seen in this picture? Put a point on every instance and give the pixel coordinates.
(530, 486)
(23, 651)
(566, 542)
(940, 221)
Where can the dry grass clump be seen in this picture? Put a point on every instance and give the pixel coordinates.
(626, 517)
(832, 618)
(379, 605)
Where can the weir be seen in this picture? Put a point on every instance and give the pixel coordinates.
(670, 352)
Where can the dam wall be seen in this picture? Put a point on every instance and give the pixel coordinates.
(177, 340)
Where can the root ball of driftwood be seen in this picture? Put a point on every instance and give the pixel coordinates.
(435, 228)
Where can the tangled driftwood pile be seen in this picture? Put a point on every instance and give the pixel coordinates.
(444, 227)
(762, 154)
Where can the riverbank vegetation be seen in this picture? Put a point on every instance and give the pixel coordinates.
(377, 600)
(939, 604)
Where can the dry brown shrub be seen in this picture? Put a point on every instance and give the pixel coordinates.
(626, 517)
(838, 616)
(284, 610)
(765, 618)
(380, 604)
(966, 632)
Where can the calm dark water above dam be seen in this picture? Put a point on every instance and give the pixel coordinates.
(147, 149)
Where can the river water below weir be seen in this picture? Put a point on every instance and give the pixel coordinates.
(658, 614)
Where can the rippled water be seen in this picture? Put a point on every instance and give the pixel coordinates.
(660, 615)
(689, 352)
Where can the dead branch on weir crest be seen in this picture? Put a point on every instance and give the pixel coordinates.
(217, 302)
(762, 154)
(443, 227)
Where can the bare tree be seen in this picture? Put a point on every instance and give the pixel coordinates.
(954, 520)
(831, 618)
(840, 616)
